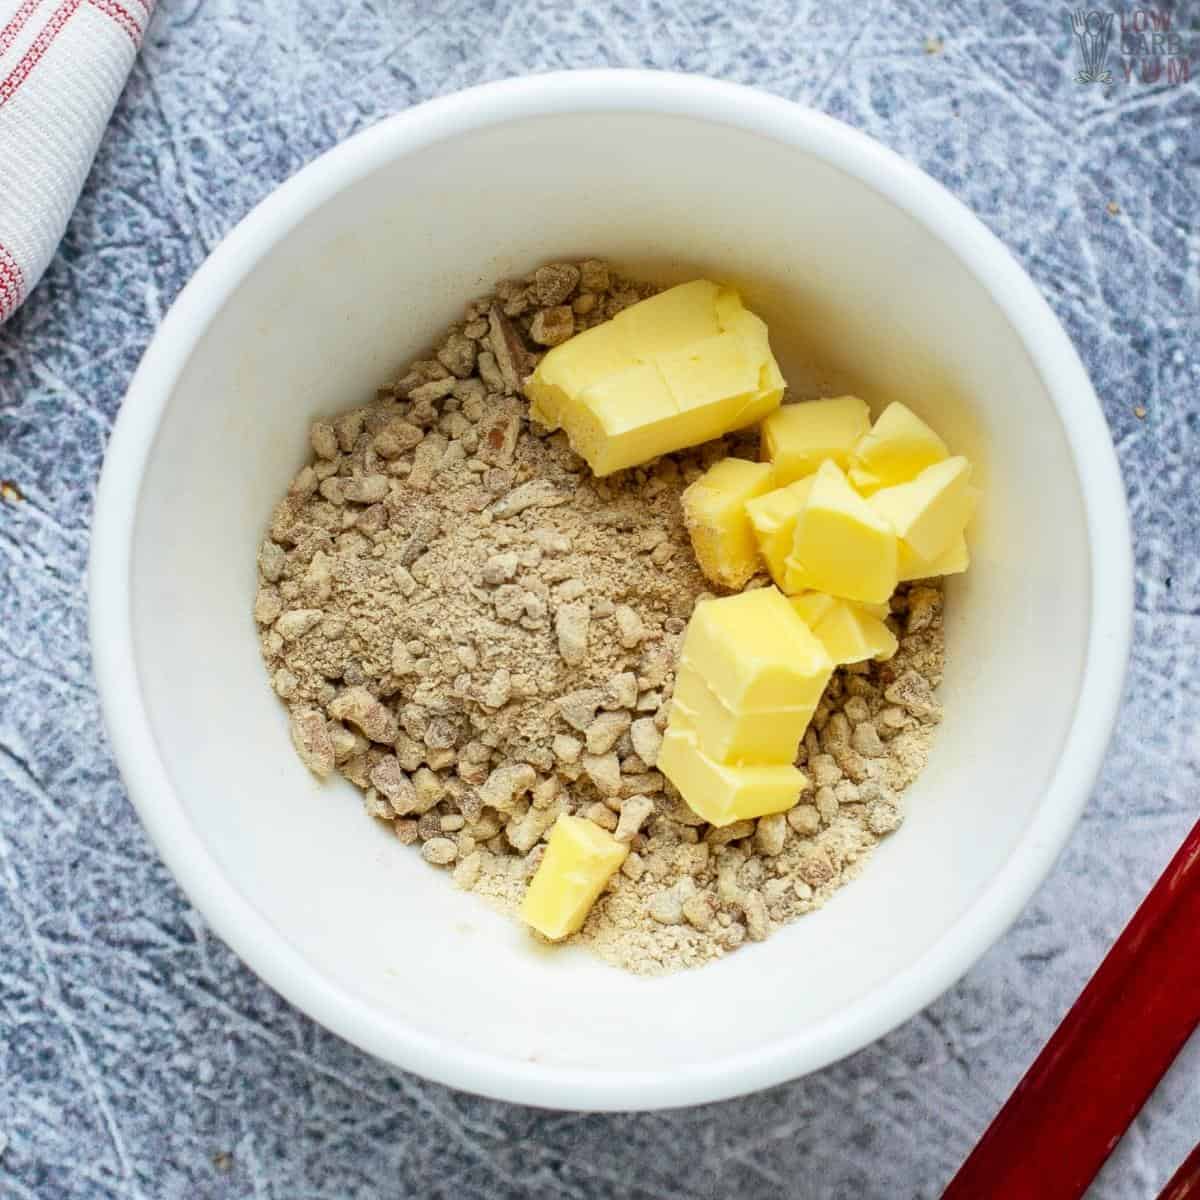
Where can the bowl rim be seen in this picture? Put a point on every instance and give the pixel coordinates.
(253, 938)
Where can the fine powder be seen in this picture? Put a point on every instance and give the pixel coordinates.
(480, 635)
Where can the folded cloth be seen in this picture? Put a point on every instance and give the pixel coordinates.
(63, 64)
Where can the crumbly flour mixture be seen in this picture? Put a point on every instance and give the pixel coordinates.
(480, 635)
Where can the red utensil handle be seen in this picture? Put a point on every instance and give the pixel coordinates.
(1185, 1183)
(1067, 1114)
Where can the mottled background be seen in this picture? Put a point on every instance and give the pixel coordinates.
(138, 1057)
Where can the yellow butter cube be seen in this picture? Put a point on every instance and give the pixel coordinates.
(896, 449)
(577, 363)
(622, 419)
(756, 653)
(714, 510)
(929, 512)
(773, 519)
(721, 793)
(709, 372)
(848, 631)
(729, 736)
(953, 561)
(670, 320)
(841, 544)
(795, 578)
(812, 606)
(852, 635)
(797, 438)
(676, 370)
(580, 859)
(752, 329)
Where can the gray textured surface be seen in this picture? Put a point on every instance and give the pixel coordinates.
(138, 1057)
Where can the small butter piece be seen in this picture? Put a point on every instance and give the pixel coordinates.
(812, 606)
(896, 449)
(578, 362)
(848, 631)
(580, 859)
(710, 372)
(795, 578)
(929, 512)
(773, 519)
(953, 561)
(624, 418)
(841, 544)
(756, 653)
(720, 793)
(797, 438)
(676, 370)
(670, 320)
(730, 736)
(752, 329)
(714, 510)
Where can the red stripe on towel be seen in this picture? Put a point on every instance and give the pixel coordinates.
(9, 33)
(122, 16)
(17, 76)
(12, 284)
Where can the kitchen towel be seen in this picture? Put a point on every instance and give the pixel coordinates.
(63, 64)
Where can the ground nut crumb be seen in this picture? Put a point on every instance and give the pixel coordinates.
(310, 736)
(324, 440)
(630, 626)
(865, 740)
(622, 691)
(552, 326)
(603, 732)
(755, 910)
(440, 851)
(634, 811)
(571, 624)
(604, 771)
(770, 834)
(804, 819)
(466, 870)
(554, 284)
(479, 635)
(602, 815)
(647, 740)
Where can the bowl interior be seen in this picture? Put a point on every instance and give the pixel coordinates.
(858, 295)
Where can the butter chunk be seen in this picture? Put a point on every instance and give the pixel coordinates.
(929, 512)
(896, 449)
(670, 320)
(756, 653)
(752, 330)
(849, 632)
(812, 606)
(585, 358)
(709, 372)
(773, 519)
(798, 438)
(953, 561)
(721, 793)
(731, 736)
(622, 419)
(676, 370)
(580, 859)
(842, 545)
(714, 510)
(795, 577)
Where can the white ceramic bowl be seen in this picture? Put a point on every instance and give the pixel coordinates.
(871, 277)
